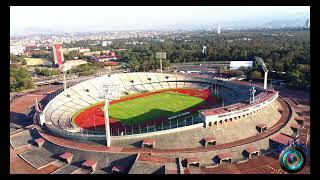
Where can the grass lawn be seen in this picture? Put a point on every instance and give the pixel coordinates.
(151, 107)
(37, 61)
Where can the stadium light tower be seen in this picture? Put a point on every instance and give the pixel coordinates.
(204, 49)
(218, 29)
(264, 67)
(161, 55)
(307, 24)
(64, 81)
(110, 93)
(252, 92)
(64, 68)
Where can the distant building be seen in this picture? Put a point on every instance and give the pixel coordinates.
(158, 40)
(16, 50)
(218, 29)
(29, 54)
(307, 24)
(67, 50)
(84, 50)
(94, 53)
(204, 50)
(238, 64)
(106, 43)
(58, 54)
(105, 57)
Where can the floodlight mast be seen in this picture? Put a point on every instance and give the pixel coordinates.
(108, 89)
(106, 118)
(264, 67)
(64, 69)
(252, 92)
(161, 66)
(161, 55)
(64, 81)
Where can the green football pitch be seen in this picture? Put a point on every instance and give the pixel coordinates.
(151, 107)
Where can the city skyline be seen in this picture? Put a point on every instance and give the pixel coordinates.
(113, 18)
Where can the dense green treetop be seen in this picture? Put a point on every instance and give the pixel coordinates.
(20, 78)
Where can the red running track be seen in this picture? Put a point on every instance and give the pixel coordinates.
(93, 118)
(285, 117)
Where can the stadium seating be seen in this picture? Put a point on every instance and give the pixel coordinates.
(59, 111)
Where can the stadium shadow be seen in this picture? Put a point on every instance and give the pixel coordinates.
(136, 144)
(20, 119)
(161, 170)
(202, 142)
(34, 134)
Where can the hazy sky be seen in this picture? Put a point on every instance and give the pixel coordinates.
(86, 18)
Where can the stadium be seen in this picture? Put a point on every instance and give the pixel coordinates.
(159, 123)
(147, 101)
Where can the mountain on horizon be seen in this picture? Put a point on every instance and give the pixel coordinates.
(294, 20)
(38, 30)
(285, 23)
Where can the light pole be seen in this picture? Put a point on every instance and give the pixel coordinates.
(64, 68)
(252, 92)
(106, 121)
(161, 55)
(264, 67)
(110, 92)
(64, 81)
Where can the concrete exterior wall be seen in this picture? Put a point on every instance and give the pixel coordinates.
(234, 114)
(103, 137)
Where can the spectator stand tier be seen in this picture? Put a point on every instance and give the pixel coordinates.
(39, 142)
(261, 127)
(295, 127)
(280, 141)
(299, 119)
(89, 164)
(209, 140)
(251, 152)
(171, 168)
(298, 111)
(117, 169)
(193, 161)
(148, 143)
(66, 157)
(224, 158)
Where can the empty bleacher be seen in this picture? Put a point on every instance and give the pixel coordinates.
(90, 92)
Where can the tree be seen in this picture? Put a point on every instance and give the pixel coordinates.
(296, 79)
(86, 69)
(24, 62)
(46, 72)
(134, 64)
(16, 59)
(71, 55)
(278, 67)
(281, 53)
(255, 75)
(165, 63)
(20, 79)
